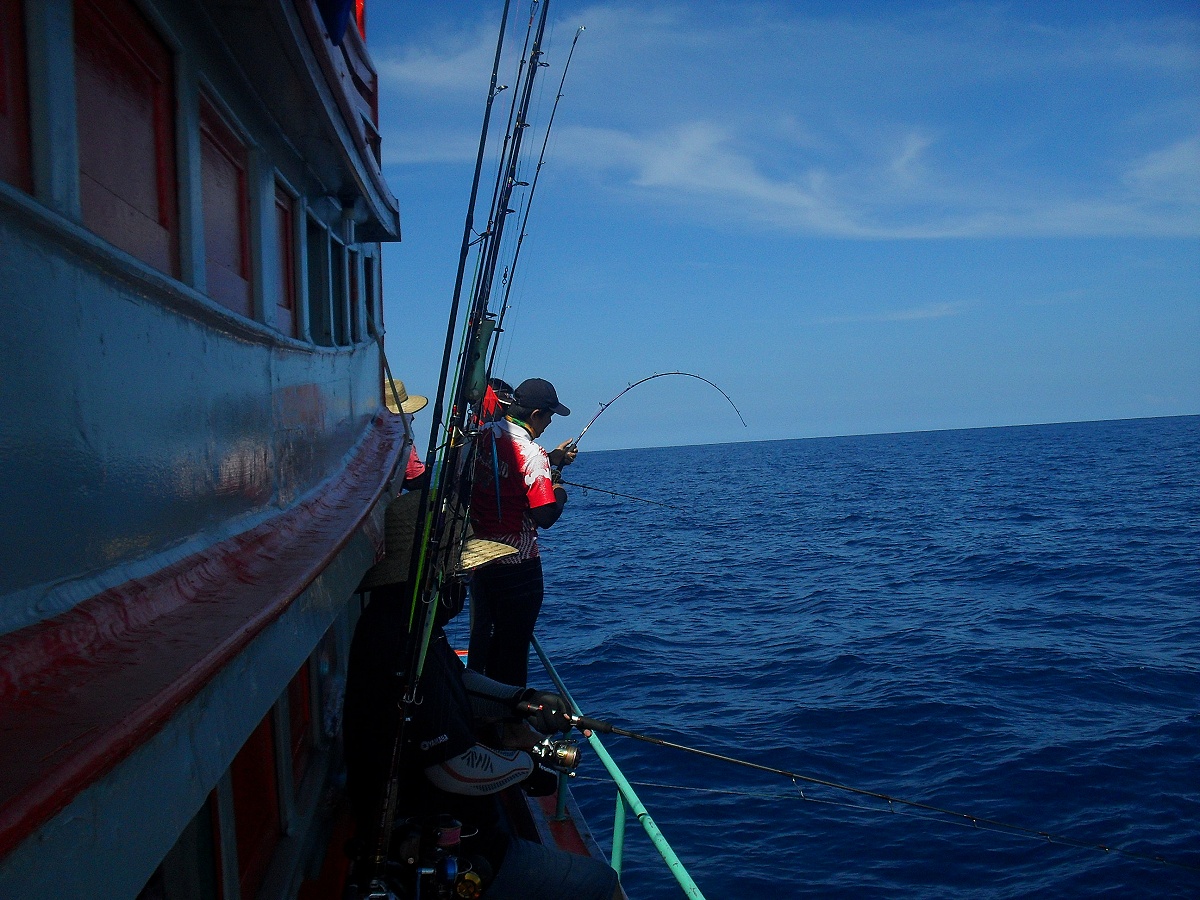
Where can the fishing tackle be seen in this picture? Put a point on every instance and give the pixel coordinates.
(442, 511)
(421, 577)
(561, 756)
(477, 360)
(588, 487)
(604, 406)
(587, 724)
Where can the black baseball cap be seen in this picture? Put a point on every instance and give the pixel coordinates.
(538, 393)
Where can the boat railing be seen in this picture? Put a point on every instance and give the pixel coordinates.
(627, 799)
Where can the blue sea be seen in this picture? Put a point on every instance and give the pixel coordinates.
(1002, 622)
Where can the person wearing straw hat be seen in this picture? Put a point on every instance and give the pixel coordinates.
(400, 402)
(445, 768)
(514, 494)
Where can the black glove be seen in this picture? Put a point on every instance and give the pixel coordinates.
(554, 712)
(542, 782)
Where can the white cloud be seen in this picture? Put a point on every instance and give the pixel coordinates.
(438, 147)
(913, 314)
(870, 132)
(456, 63)
(703, 168)
(907, 164)
(1172, 172)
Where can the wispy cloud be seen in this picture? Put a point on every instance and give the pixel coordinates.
(457, 63)
(895, 196)
(1170, 173)
(913, 314)
(963, 123)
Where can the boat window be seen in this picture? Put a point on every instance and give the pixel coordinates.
(285, 301)
(126, 122)
(353, 270)
(320, 303)
(300, 719)
(329, 701)
(14, 99)
(370, 296)
(223, 185)
(255, 806)
(341, 305)
(189, 871)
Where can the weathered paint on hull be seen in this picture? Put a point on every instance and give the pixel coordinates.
(111, 837)
(141, 422)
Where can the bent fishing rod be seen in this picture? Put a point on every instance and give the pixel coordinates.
(628, 388)
(587, 724)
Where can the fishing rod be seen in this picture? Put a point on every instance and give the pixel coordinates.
(508, 175)
(588, 724)
(588, 487)
(605, 406)
(416, 642)
(511, 275)
(443, 507)
(481, 325)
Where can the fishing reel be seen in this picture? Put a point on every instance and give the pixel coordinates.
(561, 755)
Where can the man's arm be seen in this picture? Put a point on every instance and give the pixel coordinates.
(547, 515)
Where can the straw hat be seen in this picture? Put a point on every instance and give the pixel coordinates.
(408, 403)
(477, 552)
(399, 536)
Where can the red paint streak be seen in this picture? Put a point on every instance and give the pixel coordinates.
(565, 833)
(80, 692)
(14, 105)
(300, 406)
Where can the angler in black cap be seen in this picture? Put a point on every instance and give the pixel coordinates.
(515, 493)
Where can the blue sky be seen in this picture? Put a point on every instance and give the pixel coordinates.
(854, 218)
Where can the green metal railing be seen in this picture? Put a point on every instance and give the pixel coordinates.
(627, 799)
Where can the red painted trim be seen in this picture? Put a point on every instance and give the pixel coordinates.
(285, 315)
(565, 833)
(300, 721)
(14, 101)
(82, 691)
(226, 203)
(255, 806)
(126, 160)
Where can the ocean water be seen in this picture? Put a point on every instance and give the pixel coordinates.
(1000, 622)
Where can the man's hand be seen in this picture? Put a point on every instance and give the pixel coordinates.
(564, 454)
(546, 712)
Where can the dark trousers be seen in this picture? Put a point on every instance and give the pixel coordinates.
(505, 602)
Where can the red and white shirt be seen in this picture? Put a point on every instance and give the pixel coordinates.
(414, 468)
(507, 456)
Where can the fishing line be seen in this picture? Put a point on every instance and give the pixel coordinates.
(859, 807)
(615, 493)
(926, 811)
